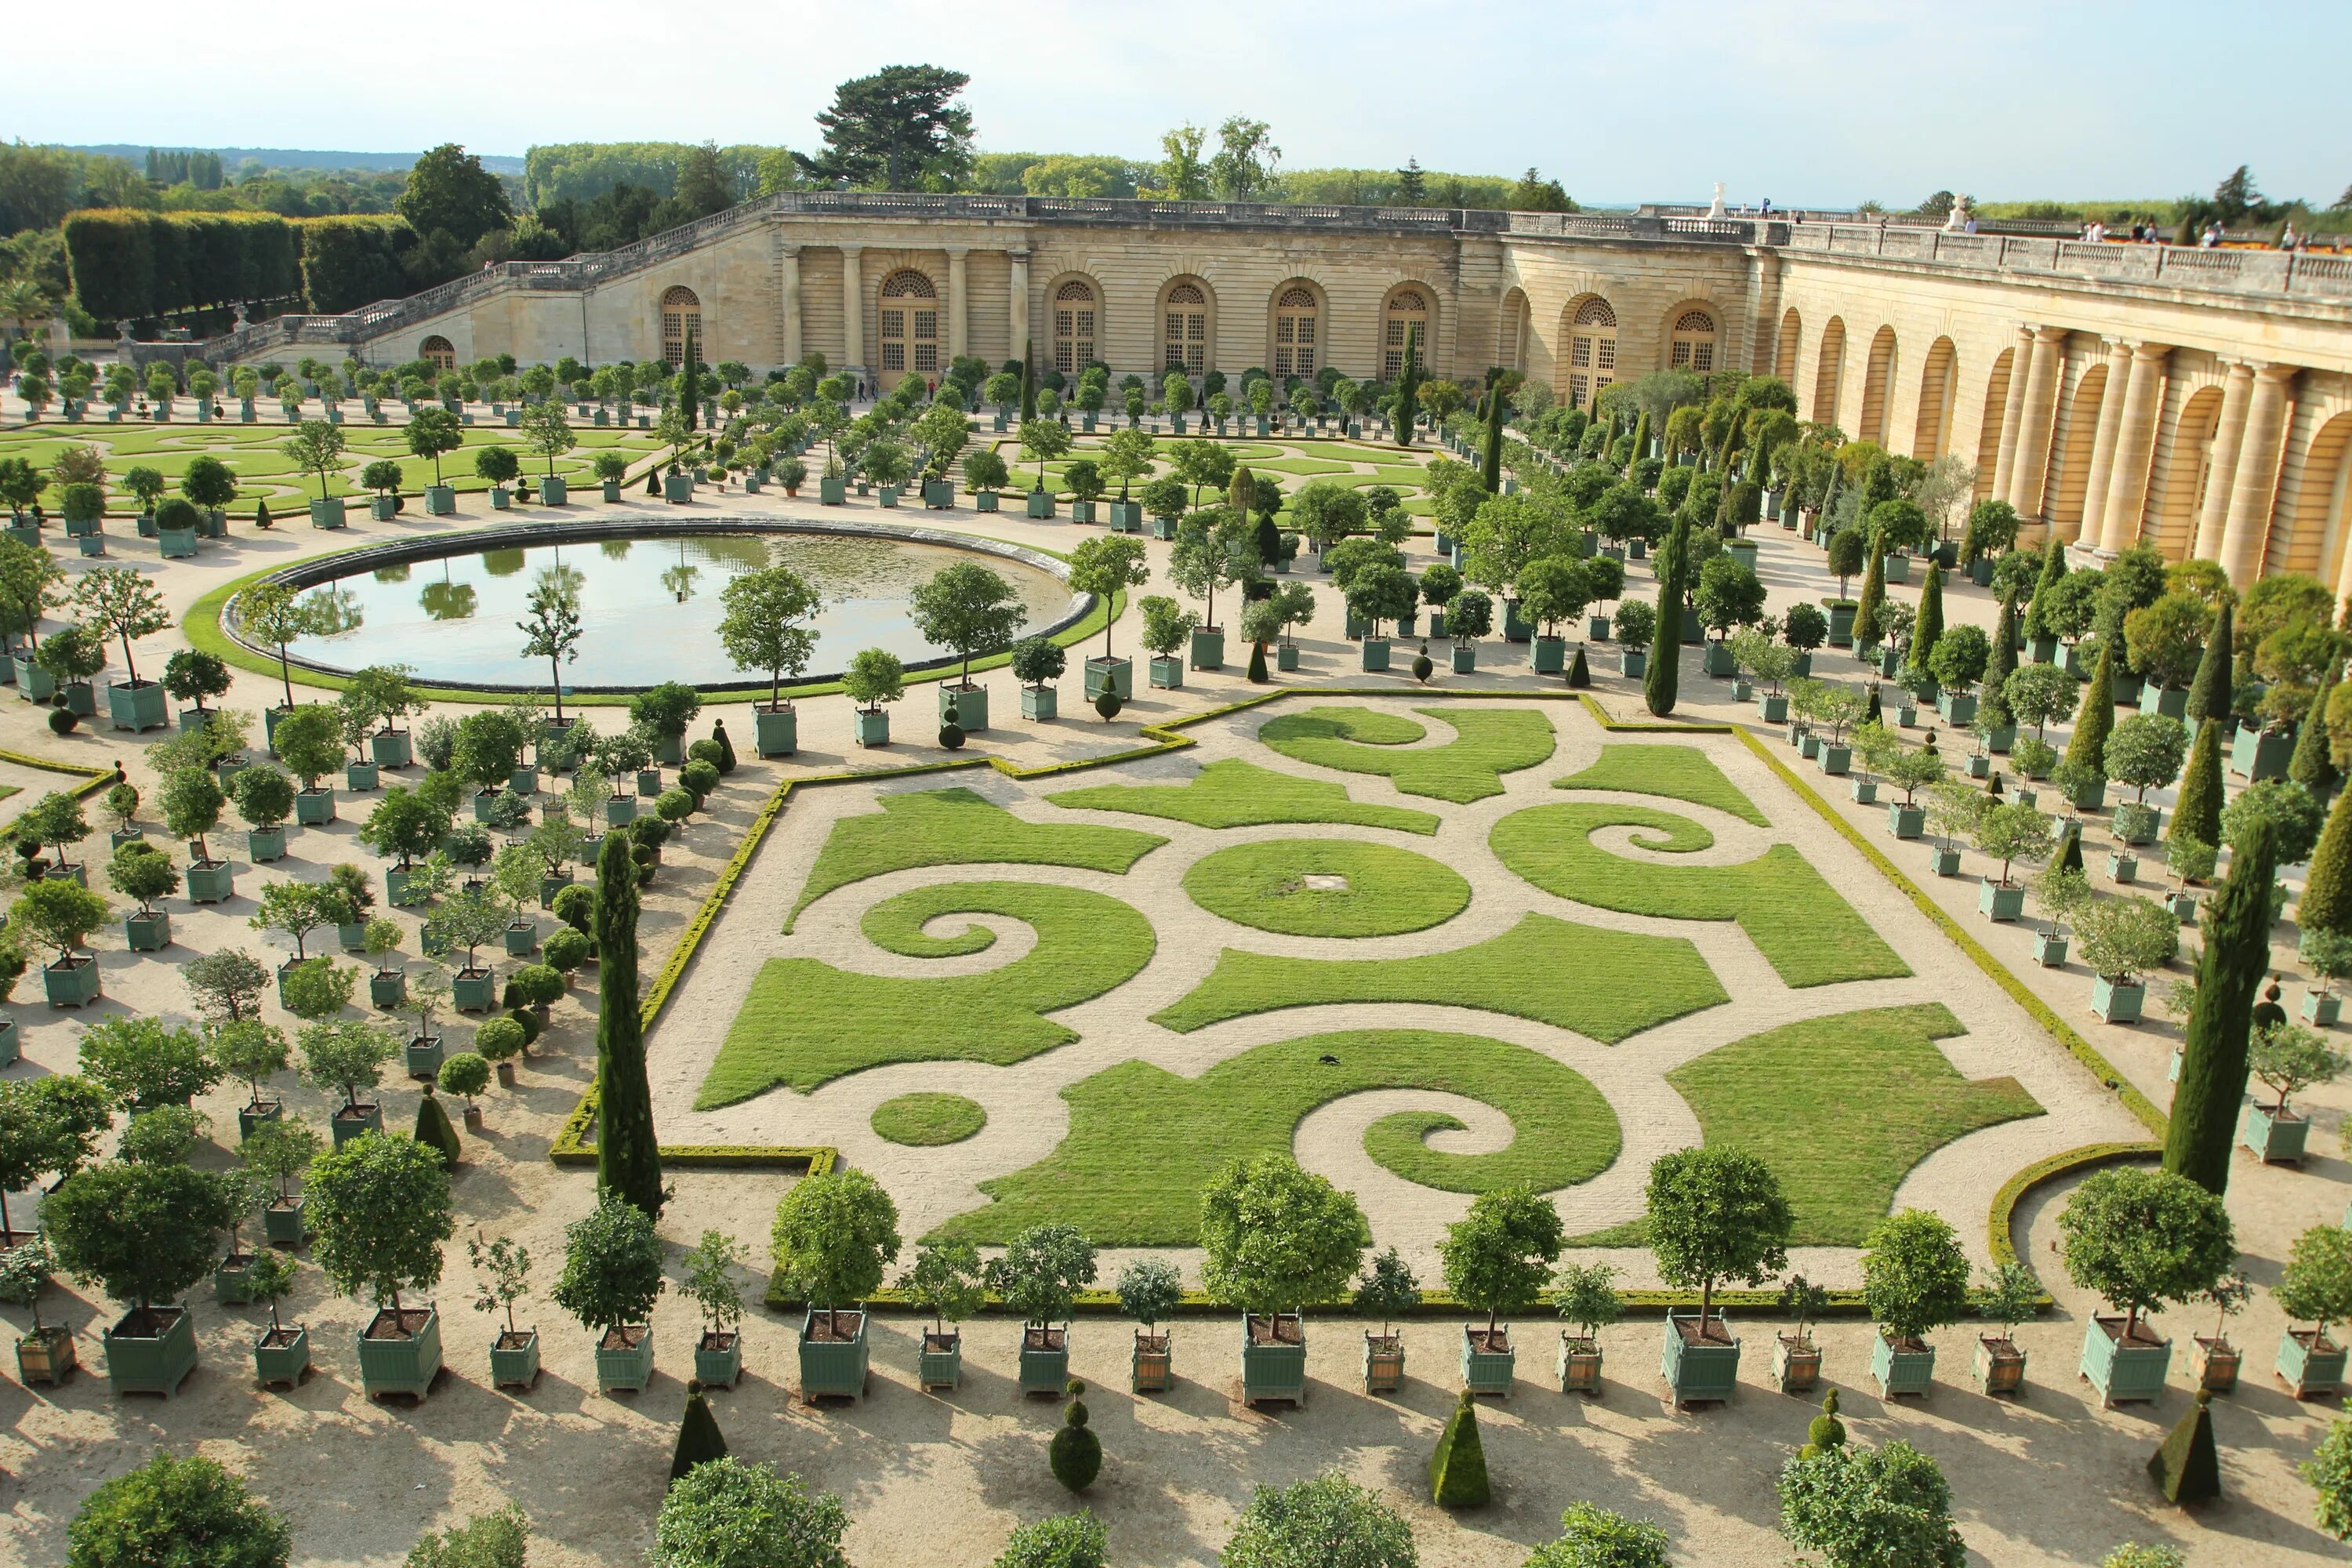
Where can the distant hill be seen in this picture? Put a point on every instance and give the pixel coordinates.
(294, 157)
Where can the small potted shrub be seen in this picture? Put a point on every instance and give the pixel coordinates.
(1636, 624)
(61, 915)
(380, 1206)
(144, 1232)
(1167, 627)
(278, 1152)
(2125, 938)
(1796, 1359)
(466, 1075)
(2139, 1239)
(1039, 1276)
(45, 1352)
(2145, 752)
(2288, 1058)
(612, 1275)
(265, 798)
(2214, 1360)
(1037, 663)
(122, 803)
(1497, 1259)
(348, 1057)
(2008, 1297)
(140, 870)
(1149, 1292)
(709, 1284)
(388, 985)
(1914, 1280)
(1587, 1299)
(833, 1238)
(503, 1272)
(2008, 833)
(280, 1354)
(2062, 890)
(945, 1283)
(1387, 1291)
(875, 677)
(2316, 1285)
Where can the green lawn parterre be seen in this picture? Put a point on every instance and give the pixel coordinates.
(1487, 743)
(1236, 794)
(1678, 772)
(927, 1121)
(1385, 890)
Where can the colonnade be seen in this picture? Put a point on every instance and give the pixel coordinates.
(854, 301)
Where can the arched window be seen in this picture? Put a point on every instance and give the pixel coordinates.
(1295, 338)
(911, 324)
(1693, 342)
(1592, 352)
(1186, 330)
(1407, 316)
(1074, 326)
(680, 310)
(439, 353)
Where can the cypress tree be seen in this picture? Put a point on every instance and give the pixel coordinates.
(1992, 711)
(1496, 411)
(1407, 388)
(2213, 1048)
(2209, 693)
(1664, 681)
(1029, 378)
(2053, 567)
(2188, 1467)
(2095, 720)
(1580, 674)
(2311, 765)
(628, 1158)
(2196, 811)
(1931, 620)
(690, 383)
(433, 1129)
(1641, 440)
(1870, 609)
(2327, 887)
(700, 1441)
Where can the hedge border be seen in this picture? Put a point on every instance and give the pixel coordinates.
(92, 779)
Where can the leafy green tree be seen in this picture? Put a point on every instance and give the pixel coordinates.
(1041, 1272)
(547, 432)
(2143, 1239)
(612, 1267)
(834, 1235)
(497, 1539)
(1058, 1541)
(765, 624)
(448, 189)
(1324, 1521)
(1663, 680)
(1107, 565)
(143, 1233)
(1213, 548)
(1716, 1214)
(174, 1510)
(1276, 1237)
(969, 610)
(1498, 1256)
(1870, 1507)
(902, 129)
(2329, 1472)
(124, 603)
(48, 1126)
(317, 448)
(1594, 1537)
(550, 629)
(433, 433)
(380, 1205)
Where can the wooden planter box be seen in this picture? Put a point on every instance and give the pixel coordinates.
(1105, 674)
(1999, 1366)
(1208, 648)
(775, 733)
(346, 1125)
(2214, 1364)
(624, 1359)
(2274, 1136)
(1484, 1369)
(521, 938)
(1902, 1369)
(387, 989)
(1998, 901)
(421, 1056)
(1773, 709)
(2050, 952)
(360, 777)
(1374, 654)
(474, 990)
(1907, 821)
(232, 1280)
(1465, 658)
(717, 1358)
(940, 1364)
(282, 1355)
(966, 706)
(156, 1361)
(1796, 1364)
(71, 982)
(1700, 1373)
(1577, 1364)
(266, 845)
(1633, 663)
(45, 1356)
(401, 1355)
(314, 807)
(835, 1368)
(514, 1359)
(2137, 824)
(1045, 1360)
(1546, 655)
(1276, 1368)
(390, 748)
(282, 1222)
(2123, 1372)
(142, 706)
(1167, 674)
(2118, 1001)
(147, 932)
(2309, 1365)
(1151, 1364)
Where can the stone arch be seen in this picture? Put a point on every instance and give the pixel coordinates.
(439, 351)
(1589, 322)
(2310, 535)
(2074, 469)
(1517, 322)
(1878, 391)
(681, 310)
(1297, 324)
(1829, 376)
(2184, 468)
(1996, 400)
(1187, 313)
(1409, 311)
(1074, 304)
(1792, 341)
(1694, 337)
(1931, 432)
(908, 312)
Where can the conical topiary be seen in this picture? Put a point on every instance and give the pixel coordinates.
(2196, 811)
(1580, 674)
(1074, 1455)
(1257, 664)
(1929, 628)
(726, 747)
(653, 481)
(2095, 720)
(2188, 1467)
(2213, 1048)
(699, 1440)
(2209, 693)
(1661, 683)
(2311, 766)
(1993, 710)
(1871, 714)
(2070, 847)
(1825, 1431)
(261, 519)
(1870, 608)
(1457, 1471)
(432, 1129)
(2328, 887)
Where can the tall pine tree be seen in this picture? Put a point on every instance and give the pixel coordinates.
(1664, 682)
(1407, 388)
(2096, 719)
(1993, 711)
(628, 1158)
(1028, 380)
(2209, 693)
(2237, 955)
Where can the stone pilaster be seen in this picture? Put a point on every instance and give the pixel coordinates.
(2228, 432)
(853, 309)
(2135, 449)
(2103, 443)
(2247, 531)
(2034, 423)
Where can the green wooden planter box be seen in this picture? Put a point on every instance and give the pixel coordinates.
(390, 748)
(1716, 660)
(524, 781)
(939, 495)
(514, 1365)
(1910, 1369)
(2050, 952)
(1373, 653)
(2309, 1365)
(157, 1363)
(405, 1364)
(611, 487)
(522, 939)
(2122, 1373)
(1956, 709)
(625, 1368)
(649, 781)
(1773, 710)
(719, 1364)
(1796, 1364)
(966, 705)
(553, 490)
(1487, 1370)
(257, 1113)
(1275, 1371)
(2137, 824)
(837, 1370)
(622, 809)
(282, 1222)
(1699, 1374)
(147, 933)
(940, 1364)
(474, 990)
(1040, 504)
(1041, 702)
(2171, 701)
(266, 845)
(2118, 1002)
(1104, 674)
(775, 733)
(135, 707)
(988, 500)
(2262, 753)
(360, 777)
(1833, 761)
(345, 1125)
(1842, 624)
(2320, 1012)
(1167, 674)
(81, 698)
(1151, 1364)
(314, 809)
(46, 1356)
(33, 684)
(829, 493)
(1906, 821)
(1045, 1361)
(1208, 648)
(873, 726)
(421, 1056)
(395, 886)
(2274, 1137)
(1998, 901)
(70, 983)
(1633, 663)
(327, 513)
(1863, 791)
(1465, 658)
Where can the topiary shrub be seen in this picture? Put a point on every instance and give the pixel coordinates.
(575, 905)
(699, 778)
(434, 1131)
(699, 1440)
(1580, 674)
(1076, 1453)
(567, 950)
(1108, 705)
(528, 1022)
(535, 985)
(1826, 1431)
(675, 805)
(952, 735)
(705, 752)
(1421, 667)
(2188, 1467)
(720, 738)
(64, 721)
(500, 1039)
(1457, 1471)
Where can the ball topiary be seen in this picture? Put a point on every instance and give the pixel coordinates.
(575, 905)
(1076, 1454)
(500, 1039)
(1826, 1432)
(528, 1021)
(567, 950)
(701, 778)
(1108, 704)
(64, 721)
(952, 735)
(705, 752)
(1421, 667)
(675, 805)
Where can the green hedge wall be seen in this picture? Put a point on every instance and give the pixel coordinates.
(347, 262)
(133, 264)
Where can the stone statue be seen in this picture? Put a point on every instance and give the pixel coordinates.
(1956, 219)
(1716, 209)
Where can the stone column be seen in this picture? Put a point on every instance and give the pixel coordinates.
(2247, 529)
(957, 347)
(2033, 424)
(853, 308)
(787, 272)
(2228, 431)
(2012, 410)
(2103, 443)
(1020, 349)
(2135, 449)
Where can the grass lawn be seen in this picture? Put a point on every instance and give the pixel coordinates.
(1602, 985)
(1841, 1109)
(807, 1022)
(1143, 1142)
(1382, 891)
(927, 1120)
(957, 827)
(1235, 794)
(1680, 773)
(1808, 933)
(1487, 743)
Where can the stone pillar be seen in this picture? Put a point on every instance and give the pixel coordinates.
(2251, 488)
(2103, 443)
(2033, 424)
(1020, 349)
(2012, 410)
(956, 282)
(2135, 449)
(788, 274)
(1763, 310)
(2236, 392)
(853, 309)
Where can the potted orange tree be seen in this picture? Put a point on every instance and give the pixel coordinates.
(945, 1282)
(278, 1152)
(380, 1205)
(2288, 1058)
(2009, 1295)
(1714, 1215)
(1149, 1292)
(709, 1284)
(1497, 1259)
(1795, 1360)
(1387, 1291)
(2214, 1360)
(832, 1237)
(1914, 1280)
(612, 1275)
(1275, 1240)
(144, 1234)
(1587, 1299)
(1039, 1276)
(2139, 1239)
(505, 1270)
(2316, 1285)
(1105, 567)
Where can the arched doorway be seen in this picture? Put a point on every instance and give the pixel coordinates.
(1829, 376)
(1076, 309)
(680, 311)
(1184, 311)
(1406, 315)
(1996, 400)
(2184, 468)
(2074, 469)
(1592, 351)
(1877, 388)
(1792, 339)
(1932, 431)
(438, 352)
(1298, 332)
(910, 327)
(1691, 345)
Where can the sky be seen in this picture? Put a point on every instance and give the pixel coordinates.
(1827, 102)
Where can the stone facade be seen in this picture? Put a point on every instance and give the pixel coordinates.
(2201, 400)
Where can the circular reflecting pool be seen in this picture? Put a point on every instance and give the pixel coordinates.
(649, 606)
